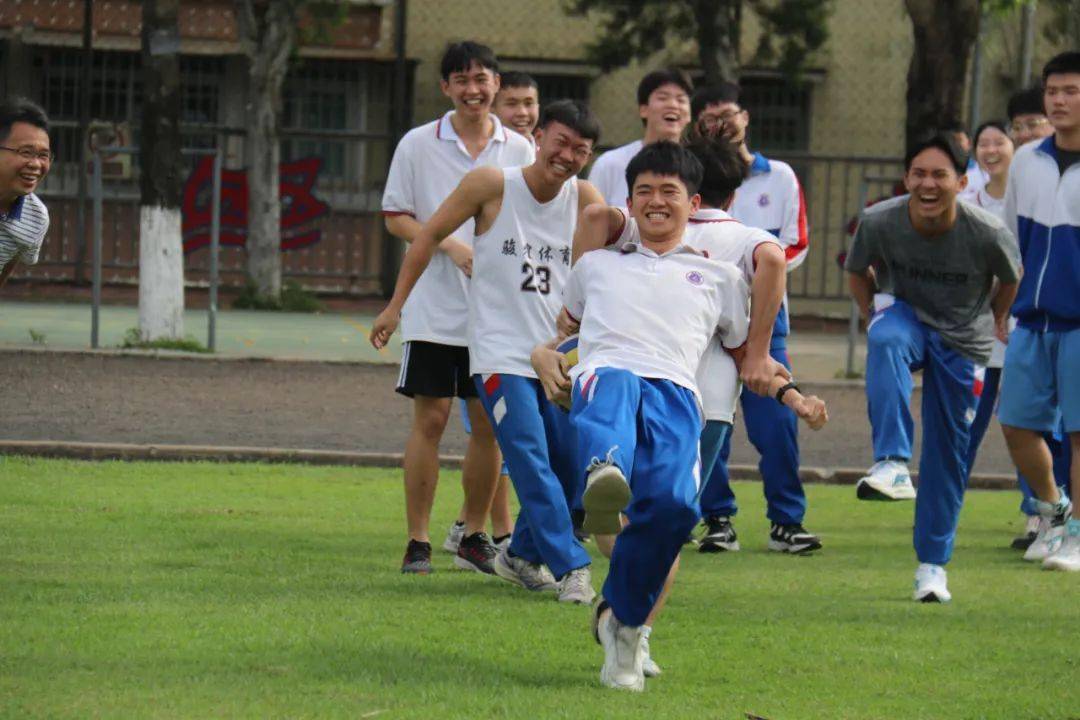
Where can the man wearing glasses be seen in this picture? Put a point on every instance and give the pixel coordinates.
(25, 157)
(1027, 117)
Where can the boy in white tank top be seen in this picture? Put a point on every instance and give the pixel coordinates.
(524, 220)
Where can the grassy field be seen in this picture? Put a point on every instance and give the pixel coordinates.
(200, 590)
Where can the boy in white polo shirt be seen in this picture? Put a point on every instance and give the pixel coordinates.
(663, 98)
(25, 158)
(428, 164)
(525, 219)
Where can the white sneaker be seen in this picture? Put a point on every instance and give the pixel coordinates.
(504, 544)
(606, 495)
(623, 653)
(576, 587)
(520, 571)
(453, 538)
(648, 665)
(1046, 541)
(930, 584)
(886, 480)
(1067, 555)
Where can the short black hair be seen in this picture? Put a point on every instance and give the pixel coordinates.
(723, 169)
(461, 55)
(19, 109)
(1028, 101)
(996, 124)
(575, 115)
(725, 92)
(514, 79)
(657, 79)
(943, 141)
(1066, 62)
(666, 158)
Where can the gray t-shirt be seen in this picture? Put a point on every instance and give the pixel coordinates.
(946, 279)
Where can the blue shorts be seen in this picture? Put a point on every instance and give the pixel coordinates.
(1040, 383)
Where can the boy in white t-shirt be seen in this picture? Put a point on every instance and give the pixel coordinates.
(428, 164)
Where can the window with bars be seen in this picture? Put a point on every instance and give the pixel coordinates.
(562, 87)
(779, 113)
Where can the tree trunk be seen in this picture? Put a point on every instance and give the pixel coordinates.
(945, 33)
(268, 37)
(161, 258)
(718, 39)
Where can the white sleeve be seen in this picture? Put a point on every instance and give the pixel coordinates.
(574, 291)
(399, 196)
(734, 308)
(794, 235)
(754, 239)
(601, 178)
(1010, 203)
(629, 231)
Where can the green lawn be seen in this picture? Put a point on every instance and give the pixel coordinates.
(201, 590)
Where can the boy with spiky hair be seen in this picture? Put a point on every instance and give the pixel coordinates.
(428, 164)
(25, 158)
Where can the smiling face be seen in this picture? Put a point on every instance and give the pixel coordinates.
(472, 91)
(661, 206)
(1062, 98)
(666, 113)
(518, 108)
(18, 175)
(994, 152)
(561, 152)
(934, 184)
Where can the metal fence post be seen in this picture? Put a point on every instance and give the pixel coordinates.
(95, 320)
(215, 243)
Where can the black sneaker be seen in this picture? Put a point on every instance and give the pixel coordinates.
(476, 553)
(417, 558)
(794, 539)
(719, 536)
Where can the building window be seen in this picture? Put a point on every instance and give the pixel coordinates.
(562, 87)
(779, 113)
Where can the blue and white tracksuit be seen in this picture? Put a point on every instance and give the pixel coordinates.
(897, 345)
(649, 428)
(771, 199)
(1041, 382)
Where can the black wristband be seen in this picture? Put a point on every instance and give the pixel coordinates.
(780, 393)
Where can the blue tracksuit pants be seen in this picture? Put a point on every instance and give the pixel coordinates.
(537, 443)
(773, 430)
(897, 345)
(650, 429)
(1059, 444)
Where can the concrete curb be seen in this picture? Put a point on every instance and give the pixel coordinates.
(190, 453)
(179, 355)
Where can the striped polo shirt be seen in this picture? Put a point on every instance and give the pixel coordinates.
(22, 230)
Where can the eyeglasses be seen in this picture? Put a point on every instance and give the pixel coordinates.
(1029, 125)
(27, 154)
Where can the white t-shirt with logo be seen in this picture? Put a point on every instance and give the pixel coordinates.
(428, 164)
(520, 266)
(654, 315)
(721, 237)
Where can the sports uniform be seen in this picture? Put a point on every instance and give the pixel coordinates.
(608, 173)
(520, 265)
(645, 322)
(770, 199)
(932, 313)
(428, 164)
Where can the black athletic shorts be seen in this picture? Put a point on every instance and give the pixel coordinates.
(435, 370)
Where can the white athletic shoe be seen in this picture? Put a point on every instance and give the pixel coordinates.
(1067, 555)
(520, 571)
(623, 653)
(453, 538)
(930, 584)
(504, 543)
(1047, 540)
(606, 495)
(576, 587)
(648, 665)
(886, 480)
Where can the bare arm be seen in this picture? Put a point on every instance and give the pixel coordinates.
(464, 202)
(597, 224)
(1002, 302)
(862, 291)
(6, 272)
(407, 228)
(766, 295)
